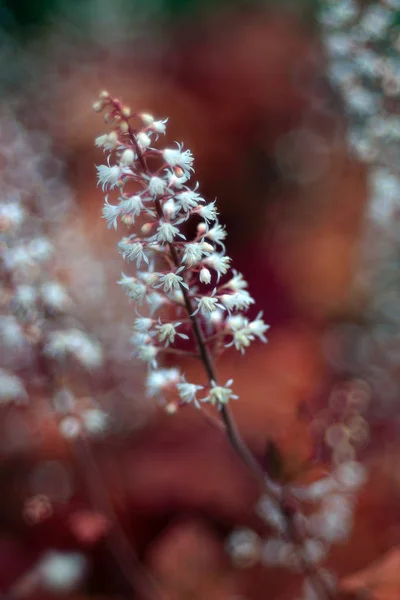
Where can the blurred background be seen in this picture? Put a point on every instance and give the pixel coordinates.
(293, 118)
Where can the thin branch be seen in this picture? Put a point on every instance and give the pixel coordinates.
(136, 575)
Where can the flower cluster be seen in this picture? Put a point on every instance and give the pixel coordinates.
(363, 46)
(184, 289)
(42, 341)
(362, 43)
(325, 507)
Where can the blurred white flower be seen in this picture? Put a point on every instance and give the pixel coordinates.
(62, 572)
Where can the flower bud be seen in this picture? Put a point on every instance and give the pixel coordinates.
(98, 106)
(113, 138)
(126, 220)
(169, 207)
(146, 228)
(205, 275)
(201, 228)
(147, 119)
(158, 126)
(179, 172)
(124, 127)
(126, 112)
(207, 247)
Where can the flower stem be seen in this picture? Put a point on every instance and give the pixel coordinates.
(230, 426)
(138, 578)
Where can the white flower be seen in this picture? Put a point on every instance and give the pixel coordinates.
(156, 187)
(74, 342)
(272, 552)
(160, 380)
(94, 420)
(127, 158)
(108, 176)
(237, 282)
(316, 490)
(140, 338)
(208, 212)
(133, 287)
(167, 332)
(177, 158)
(188, 391)
(11, 215)
(214, 319)
(61, 571)
(238, 300)
(375, 21)
(333, 522)
(110, 214)
(147, 353)
(314, 551)
(70, 427)
(236, 322)
(155, 301)
(17, 258)
(244, 332)
(218, 262)
(143, 324)
(143, 140)
(54, 296)
(244, 547)
(229, 301)
(189, 199)
(216, 234)
(40, 249)
(11, 333)
(108, 141)
(241, 339)
(64, 401)
(158, 126)
(25, 297)
(177, 179)
(258, 327)
(339, 44)
(220, 394)
(351, 475)
(193, 254)
(205, 276)
(268, 510)
(169, 281)
(132, 251)
(11, 388)
(131, 206)
(207, 304)
(166, 232)
(340, 13)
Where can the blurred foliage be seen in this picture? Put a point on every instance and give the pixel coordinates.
(25, 14)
